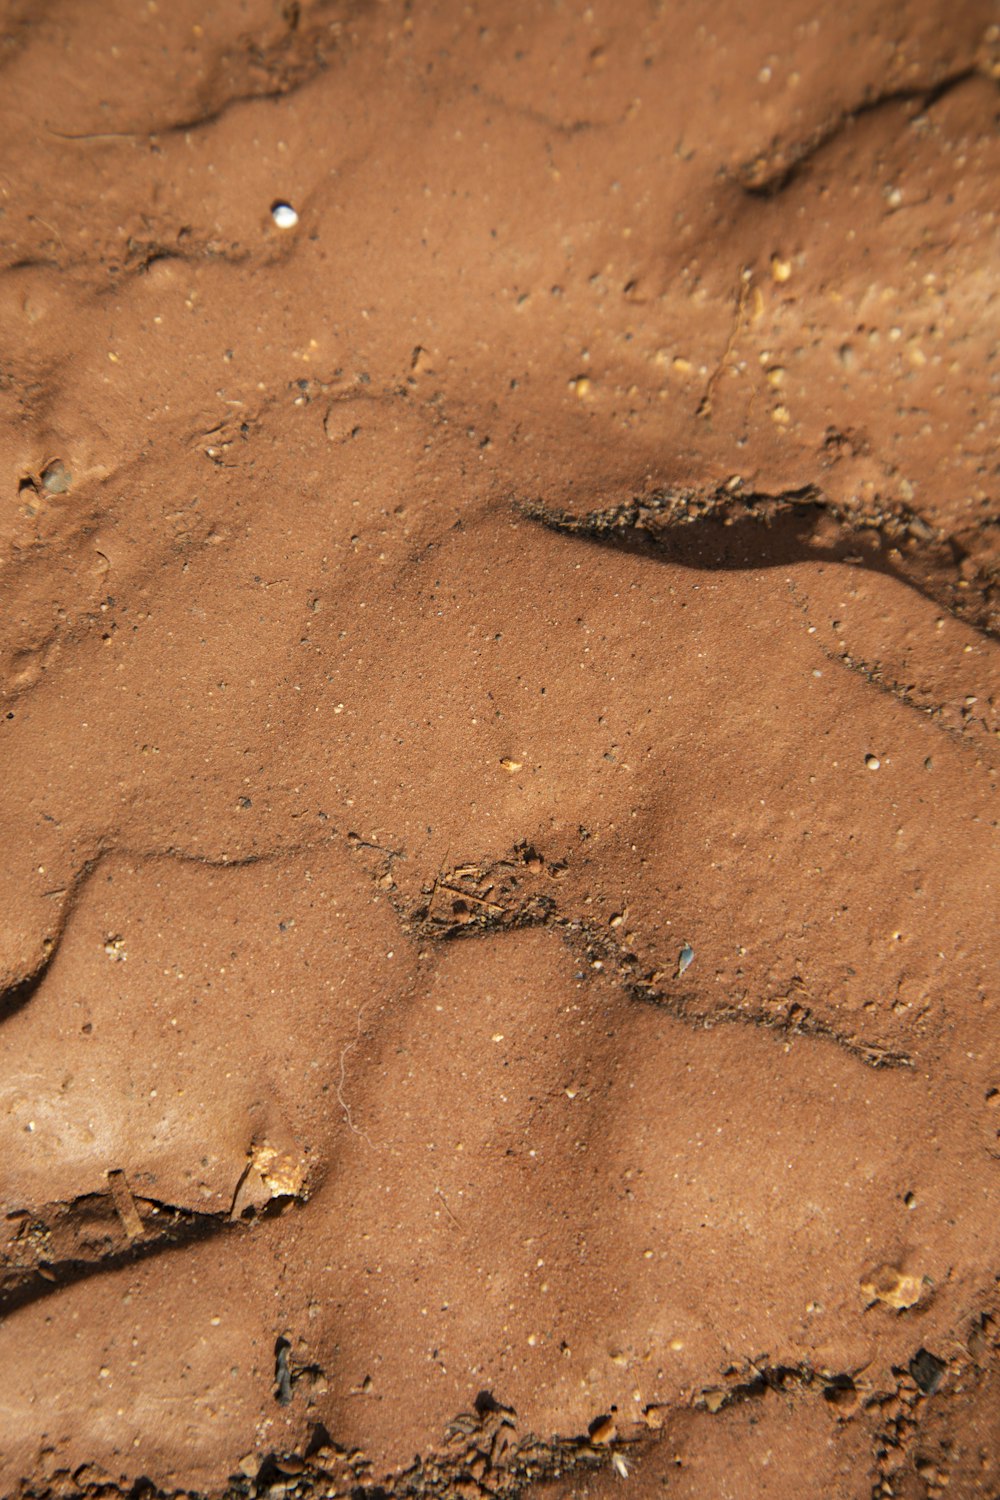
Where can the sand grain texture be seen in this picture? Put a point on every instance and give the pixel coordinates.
(573, 545)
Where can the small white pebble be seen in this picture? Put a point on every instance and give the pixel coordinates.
(284, 215)
(872, 762)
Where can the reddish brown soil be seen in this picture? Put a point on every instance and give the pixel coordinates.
(571, 548)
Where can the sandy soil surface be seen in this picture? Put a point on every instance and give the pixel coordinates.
(499, 741)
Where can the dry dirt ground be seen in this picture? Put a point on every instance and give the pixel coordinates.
(499, 737)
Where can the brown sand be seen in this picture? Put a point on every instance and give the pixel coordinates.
(571, 548)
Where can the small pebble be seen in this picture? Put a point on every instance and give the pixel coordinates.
(602, 1431)
(684, 959)
(56, 478)
(284, 215)
(872, 762)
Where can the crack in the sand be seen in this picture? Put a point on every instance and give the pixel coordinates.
(484, 897)
(721, 527)
(480, 897)
(773, 169)
(59, 1243)
(291, 65)
(483, 1453)
(18, 988)
(971, 730)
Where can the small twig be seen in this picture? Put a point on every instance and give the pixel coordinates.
(447, 1210)
(121, 1195)
(743, 295)
(37, 219)
(348, 1117)
(98, 135)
